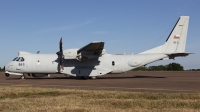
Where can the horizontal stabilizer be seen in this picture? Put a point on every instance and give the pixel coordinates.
(173, 55)
(179, 54)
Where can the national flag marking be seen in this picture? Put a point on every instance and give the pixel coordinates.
(176, 36)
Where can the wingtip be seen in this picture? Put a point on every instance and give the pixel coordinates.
(97, 42)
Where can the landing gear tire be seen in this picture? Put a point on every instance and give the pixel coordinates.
(7, 75)
(23, 77)
(93, 77)
(84, 77)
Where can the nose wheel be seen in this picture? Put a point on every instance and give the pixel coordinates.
(7, 75)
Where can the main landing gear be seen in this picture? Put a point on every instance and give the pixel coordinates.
(23, 77)
(94, 77)
(86, 77)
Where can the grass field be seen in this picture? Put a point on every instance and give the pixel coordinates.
(34, 99)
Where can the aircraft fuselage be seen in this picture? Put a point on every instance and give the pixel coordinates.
(107, 63)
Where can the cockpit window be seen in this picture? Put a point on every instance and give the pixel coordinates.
(15, 58)
(20, 59)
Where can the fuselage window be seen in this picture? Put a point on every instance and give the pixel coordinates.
(113, 63)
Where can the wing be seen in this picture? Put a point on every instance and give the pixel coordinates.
(94, 47)
(92, 50)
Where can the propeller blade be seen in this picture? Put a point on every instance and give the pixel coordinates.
(60, 54)
(61, 50)
(62, 63)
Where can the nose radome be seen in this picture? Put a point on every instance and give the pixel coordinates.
(8, 66)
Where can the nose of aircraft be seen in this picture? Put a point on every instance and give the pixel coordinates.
(8, 66)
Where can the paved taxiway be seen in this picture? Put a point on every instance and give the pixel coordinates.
(130, 81)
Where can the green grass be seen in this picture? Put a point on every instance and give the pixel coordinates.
(51, 99)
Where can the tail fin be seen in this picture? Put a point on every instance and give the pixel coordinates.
(176, 40)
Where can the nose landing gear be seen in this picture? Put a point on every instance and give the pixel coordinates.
(7, 75)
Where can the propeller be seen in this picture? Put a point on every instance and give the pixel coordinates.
(60, 55)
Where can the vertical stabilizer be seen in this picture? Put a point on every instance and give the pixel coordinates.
(176, 40)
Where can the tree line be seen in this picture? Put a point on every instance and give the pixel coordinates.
(1, 69)
(169, 67)
(193, 70)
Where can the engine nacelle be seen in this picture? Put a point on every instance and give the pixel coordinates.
(39, 75)
(70, 53)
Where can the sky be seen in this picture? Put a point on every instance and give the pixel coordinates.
(130, 26)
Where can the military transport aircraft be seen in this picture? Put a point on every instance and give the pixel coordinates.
(92, 60)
